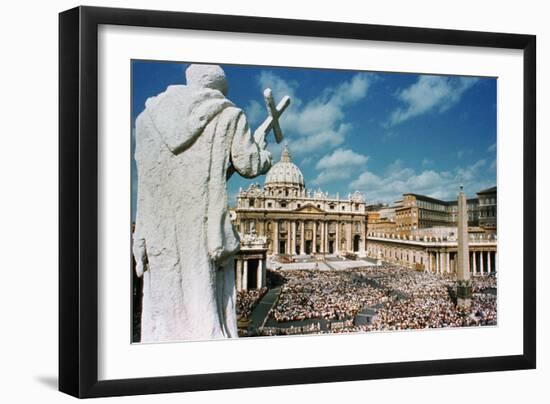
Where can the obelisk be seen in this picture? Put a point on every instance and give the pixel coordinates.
(464, 288)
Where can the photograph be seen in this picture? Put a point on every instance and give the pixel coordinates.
(273, 201)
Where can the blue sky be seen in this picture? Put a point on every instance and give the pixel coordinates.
(383, 134)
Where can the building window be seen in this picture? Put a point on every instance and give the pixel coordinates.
(283, 205)
(299, 205)
(269, 204)
(319, 206)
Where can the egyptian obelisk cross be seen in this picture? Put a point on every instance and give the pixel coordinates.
(464, 289)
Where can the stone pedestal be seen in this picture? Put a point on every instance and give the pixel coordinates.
(464, 294)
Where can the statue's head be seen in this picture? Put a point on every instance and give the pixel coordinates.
(206, 76)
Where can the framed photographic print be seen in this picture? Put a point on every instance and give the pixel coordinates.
(251, 201)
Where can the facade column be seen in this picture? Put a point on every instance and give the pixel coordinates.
(322, 241)
(350, 232)
(260, 273)
(337, 247)
(448, 265)
(437, 262)
(239, 275)
(363, 245)
(275, 237)
(288, 238)
(245, 275)
(314, 247)
(488, 262)
(481, 262)
(293, 237)
(326, 236)
(302, 237)
(474, 262)
(347, 233)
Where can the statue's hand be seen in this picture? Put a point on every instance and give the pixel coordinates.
(259, 138)
(140, 255)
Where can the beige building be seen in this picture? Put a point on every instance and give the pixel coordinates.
(424, 234)
(298, 221)
(416, 211)
(488, 209)
(434, 254)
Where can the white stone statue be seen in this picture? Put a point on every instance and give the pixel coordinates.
(189, 140)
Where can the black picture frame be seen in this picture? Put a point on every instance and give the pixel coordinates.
(78, 201)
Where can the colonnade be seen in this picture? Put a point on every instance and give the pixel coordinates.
(441, 262)
(481, 262)
(437, 260)
(321, 237)
(242, 273)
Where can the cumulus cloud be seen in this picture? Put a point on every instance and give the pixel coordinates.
(492, 148)
(255, 114)
(462, 153)
(338, 165)
(341, 158)
(397, 180)
(318, 123)
(430, 93)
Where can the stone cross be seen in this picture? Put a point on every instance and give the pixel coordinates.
(272, 121)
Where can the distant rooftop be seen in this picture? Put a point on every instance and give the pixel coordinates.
(491, 190)
(441, 202)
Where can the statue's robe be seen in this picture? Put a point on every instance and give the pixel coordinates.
(187, 140)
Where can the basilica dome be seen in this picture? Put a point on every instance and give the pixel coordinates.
(285, 174)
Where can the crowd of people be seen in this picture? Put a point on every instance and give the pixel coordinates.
(331, 295)
(401, 298)
(247, 300)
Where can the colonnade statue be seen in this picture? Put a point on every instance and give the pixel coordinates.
(189, 140)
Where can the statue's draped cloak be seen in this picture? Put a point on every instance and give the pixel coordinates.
(187, 138)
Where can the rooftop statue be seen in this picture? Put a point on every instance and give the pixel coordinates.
(189, 140)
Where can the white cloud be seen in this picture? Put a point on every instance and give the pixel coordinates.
(341, 158)
(280, 87)
(306, 161)
(327, 176)
(319, 123)
(430, 93)
(462, 153)
(492, 148)
(255, 113)
(437, 184)
(338, 165)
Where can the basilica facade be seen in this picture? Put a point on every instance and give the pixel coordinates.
(298, 221)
